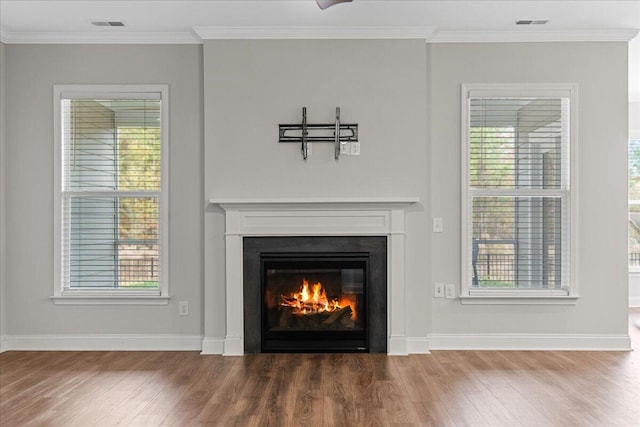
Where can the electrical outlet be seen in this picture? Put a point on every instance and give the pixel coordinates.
(355, 148)
(450, 291)
(345, 149)
(438, 290)
(183, 308)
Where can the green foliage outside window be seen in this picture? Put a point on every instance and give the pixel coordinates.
(139, 170)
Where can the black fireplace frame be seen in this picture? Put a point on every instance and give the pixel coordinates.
(372, 248)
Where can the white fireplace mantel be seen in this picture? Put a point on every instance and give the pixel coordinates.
(315, 217)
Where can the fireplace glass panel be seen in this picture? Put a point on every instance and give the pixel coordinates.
(314, 303)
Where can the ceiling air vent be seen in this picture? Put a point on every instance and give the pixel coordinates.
(108, 23)
(531, 21)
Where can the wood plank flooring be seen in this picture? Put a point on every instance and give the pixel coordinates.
(445, 388)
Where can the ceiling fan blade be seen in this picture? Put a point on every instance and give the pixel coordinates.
(323, 4)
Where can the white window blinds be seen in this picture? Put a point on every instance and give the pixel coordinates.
(111, 190)
(517, 192)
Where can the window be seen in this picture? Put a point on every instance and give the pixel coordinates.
(111, 191)
(517, 191)
(634, 204)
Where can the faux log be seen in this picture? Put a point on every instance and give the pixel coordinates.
(337, 319)
(286, 317)
(337, 315)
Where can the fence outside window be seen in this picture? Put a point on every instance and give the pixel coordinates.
(138, 272)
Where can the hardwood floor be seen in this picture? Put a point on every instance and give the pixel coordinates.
(445, 388)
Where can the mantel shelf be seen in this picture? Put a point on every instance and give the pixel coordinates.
(333, 201)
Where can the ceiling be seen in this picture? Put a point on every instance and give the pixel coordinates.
(187, 21)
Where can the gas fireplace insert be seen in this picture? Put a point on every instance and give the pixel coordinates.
(315, 294)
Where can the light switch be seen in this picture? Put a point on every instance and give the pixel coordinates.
(437, 225)
(183, 308)
(438, 290)
(450, 291)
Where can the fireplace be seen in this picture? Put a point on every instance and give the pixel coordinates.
(315, 294)
(245, 219)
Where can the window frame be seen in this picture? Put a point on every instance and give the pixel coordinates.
(117, 296)
(633, 136)
(470, 295)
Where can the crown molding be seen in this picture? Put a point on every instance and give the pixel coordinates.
(99, 38)
(301, 32)
(429, 34)
(617, 35)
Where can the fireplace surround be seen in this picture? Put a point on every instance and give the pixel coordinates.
(311, 217)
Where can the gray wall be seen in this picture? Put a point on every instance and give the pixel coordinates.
(32, 71)
(252, 86)
(3, 322)
(600, 69)
(406, 99)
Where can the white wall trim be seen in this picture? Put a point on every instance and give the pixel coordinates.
(99, 38)
(313, 32)
(104, 342)
(233, 346)
(428, 33)
(212, 346)
(418, 345)
(511, 299)
(105, 299)
(555, 342)
(528, 35)
(634, 301)
(414, 345)
(278, 204)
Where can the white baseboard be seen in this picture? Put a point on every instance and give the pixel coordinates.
(634, 301)
(212, 346)
(104, 342)
(411, 345)
(233, 346)
(417, 345)
(557, 342)
(397, 346)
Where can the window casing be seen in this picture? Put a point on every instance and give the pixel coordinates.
(634, 204)
(517, 192)
(111, 193)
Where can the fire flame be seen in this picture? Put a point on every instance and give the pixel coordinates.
(313, 299)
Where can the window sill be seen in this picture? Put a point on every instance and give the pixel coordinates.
(106, 298)
(511, 299)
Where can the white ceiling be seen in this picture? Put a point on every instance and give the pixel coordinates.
(179, 16)
(187, 21)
